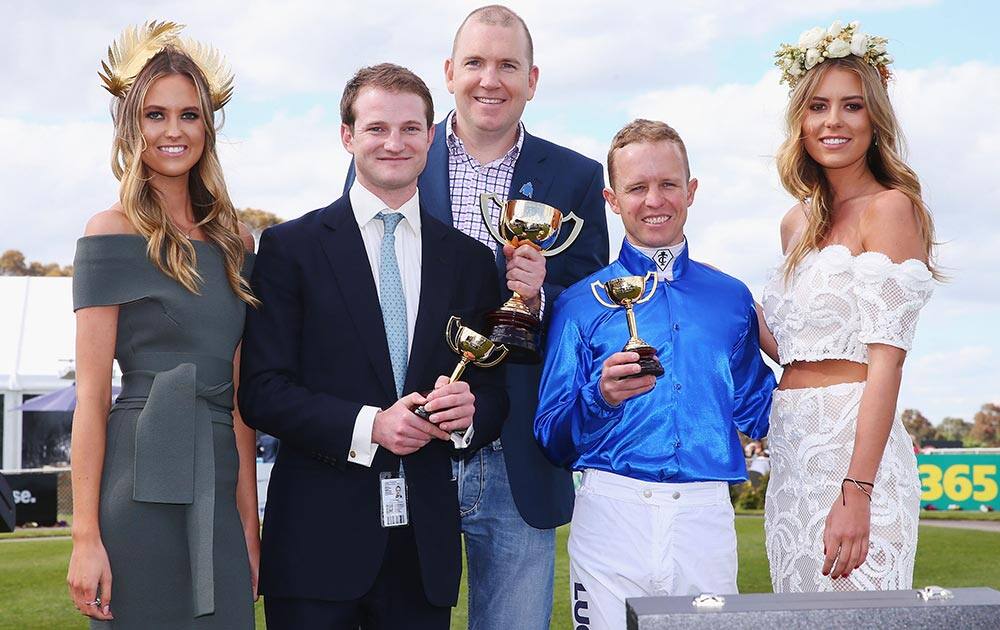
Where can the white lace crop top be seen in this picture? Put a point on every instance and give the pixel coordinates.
(836, 303)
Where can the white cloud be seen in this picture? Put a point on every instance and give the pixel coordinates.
(950, 382)
(309, 47)
(53, 177)
(288, 165)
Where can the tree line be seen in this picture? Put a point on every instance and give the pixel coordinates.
(983, 431)
(13, 263)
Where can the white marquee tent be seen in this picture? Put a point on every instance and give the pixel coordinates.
(37, 330)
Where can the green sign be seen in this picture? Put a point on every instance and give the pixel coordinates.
(968, 480)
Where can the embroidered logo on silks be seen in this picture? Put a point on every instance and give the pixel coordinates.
(527, 190)
(663, 258)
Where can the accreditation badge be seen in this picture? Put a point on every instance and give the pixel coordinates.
(392, 491)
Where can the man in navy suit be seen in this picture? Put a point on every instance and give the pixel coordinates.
(362, 526)
(511, 497)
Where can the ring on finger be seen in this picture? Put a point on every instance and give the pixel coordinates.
(96, 602)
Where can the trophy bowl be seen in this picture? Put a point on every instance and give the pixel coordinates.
(627, 288)
(531, 221)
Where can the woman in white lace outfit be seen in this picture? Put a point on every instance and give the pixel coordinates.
(843, 499)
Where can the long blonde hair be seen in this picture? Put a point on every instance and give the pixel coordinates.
(805, 179)
(169, 248)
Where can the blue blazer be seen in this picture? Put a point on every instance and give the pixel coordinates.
(313, 354)
(570, 182)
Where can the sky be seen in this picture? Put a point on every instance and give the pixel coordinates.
(706, 68)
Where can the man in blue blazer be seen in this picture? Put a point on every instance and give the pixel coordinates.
(511, 497)
(362, 525)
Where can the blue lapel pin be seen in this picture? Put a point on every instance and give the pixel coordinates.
(527, 190)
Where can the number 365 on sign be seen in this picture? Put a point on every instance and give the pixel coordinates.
(968, 480)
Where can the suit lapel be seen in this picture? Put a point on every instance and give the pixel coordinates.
(436, 282)
(348, 260)
(435, 190)
(530, 168)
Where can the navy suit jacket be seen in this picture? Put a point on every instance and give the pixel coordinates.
(313, 354)
(570, 182)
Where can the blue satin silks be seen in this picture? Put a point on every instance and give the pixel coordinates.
(704, 328)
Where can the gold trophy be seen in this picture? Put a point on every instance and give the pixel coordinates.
(471, 347)
(626, 292)
(523, 221)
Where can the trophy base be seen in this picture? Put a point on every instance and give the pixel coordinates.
(420, 412)
(517, 331)
(648, 363)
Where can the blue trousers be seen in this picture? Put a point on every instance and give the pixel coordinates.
(511, 565)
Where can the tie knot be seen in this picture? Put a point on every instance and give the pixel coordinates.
(391, 220)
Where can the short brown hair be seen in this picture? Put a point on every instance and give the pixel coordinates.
(389, 77)
(497, 15)
(642, 130)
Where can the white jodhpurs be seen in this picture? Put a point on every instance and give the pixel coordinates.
(633, 538)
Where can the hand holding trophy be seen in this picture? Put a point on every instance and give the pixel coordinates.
(626, 292)
(471, 347)
(523, 221)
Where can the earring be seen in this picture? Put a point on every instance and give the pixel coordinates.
(875, 138)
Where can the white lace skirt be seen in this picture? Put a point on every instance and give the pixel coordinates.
(811, 440)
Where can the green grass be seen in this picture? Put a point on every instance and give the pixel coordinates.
(33, 589)
(38, 532)
(925, 515)
(959, 516)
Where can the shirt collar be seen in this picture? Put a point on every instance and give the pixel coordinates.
(366, 205)
(457, 148)
(638, 262)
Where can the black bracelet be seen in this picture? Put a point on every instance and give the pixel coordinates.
(860, 486)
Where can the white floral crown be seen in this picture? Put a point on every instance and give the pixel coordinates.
(818, 44)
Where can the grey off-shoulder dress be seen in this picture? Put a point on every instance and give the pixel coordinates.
(168, 513)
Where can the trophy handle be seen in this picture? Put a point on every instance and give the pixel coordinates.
(651, 291)
(451, 333)
(502, 355)
(577, 226)
(484, 208)
(594, 286)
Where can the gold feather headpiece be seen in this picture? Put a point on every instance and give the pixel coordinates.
(138, 44)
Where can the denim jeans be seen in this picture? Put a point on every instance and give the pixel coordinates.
(511, 564)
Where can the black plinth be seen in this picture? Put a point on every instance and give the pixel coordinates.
(517, 331)
(970, 608)
(420, 412)
(648, 363)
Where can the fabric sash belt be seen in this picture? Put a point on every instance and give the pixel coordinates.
(174, 448)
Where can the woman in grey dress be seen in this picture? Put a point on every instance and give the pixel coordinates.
(165, 528)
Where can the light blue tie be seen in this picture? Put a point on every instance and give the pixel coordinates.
(392, 300)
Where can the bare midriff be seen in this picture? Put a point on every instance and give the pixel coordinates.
(804, 374)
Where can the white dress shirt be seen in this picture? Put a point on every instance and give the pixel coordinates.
(366, 207)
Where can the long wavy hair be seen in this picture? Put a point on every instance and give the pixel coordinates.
(169, 248)
(805, 179)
